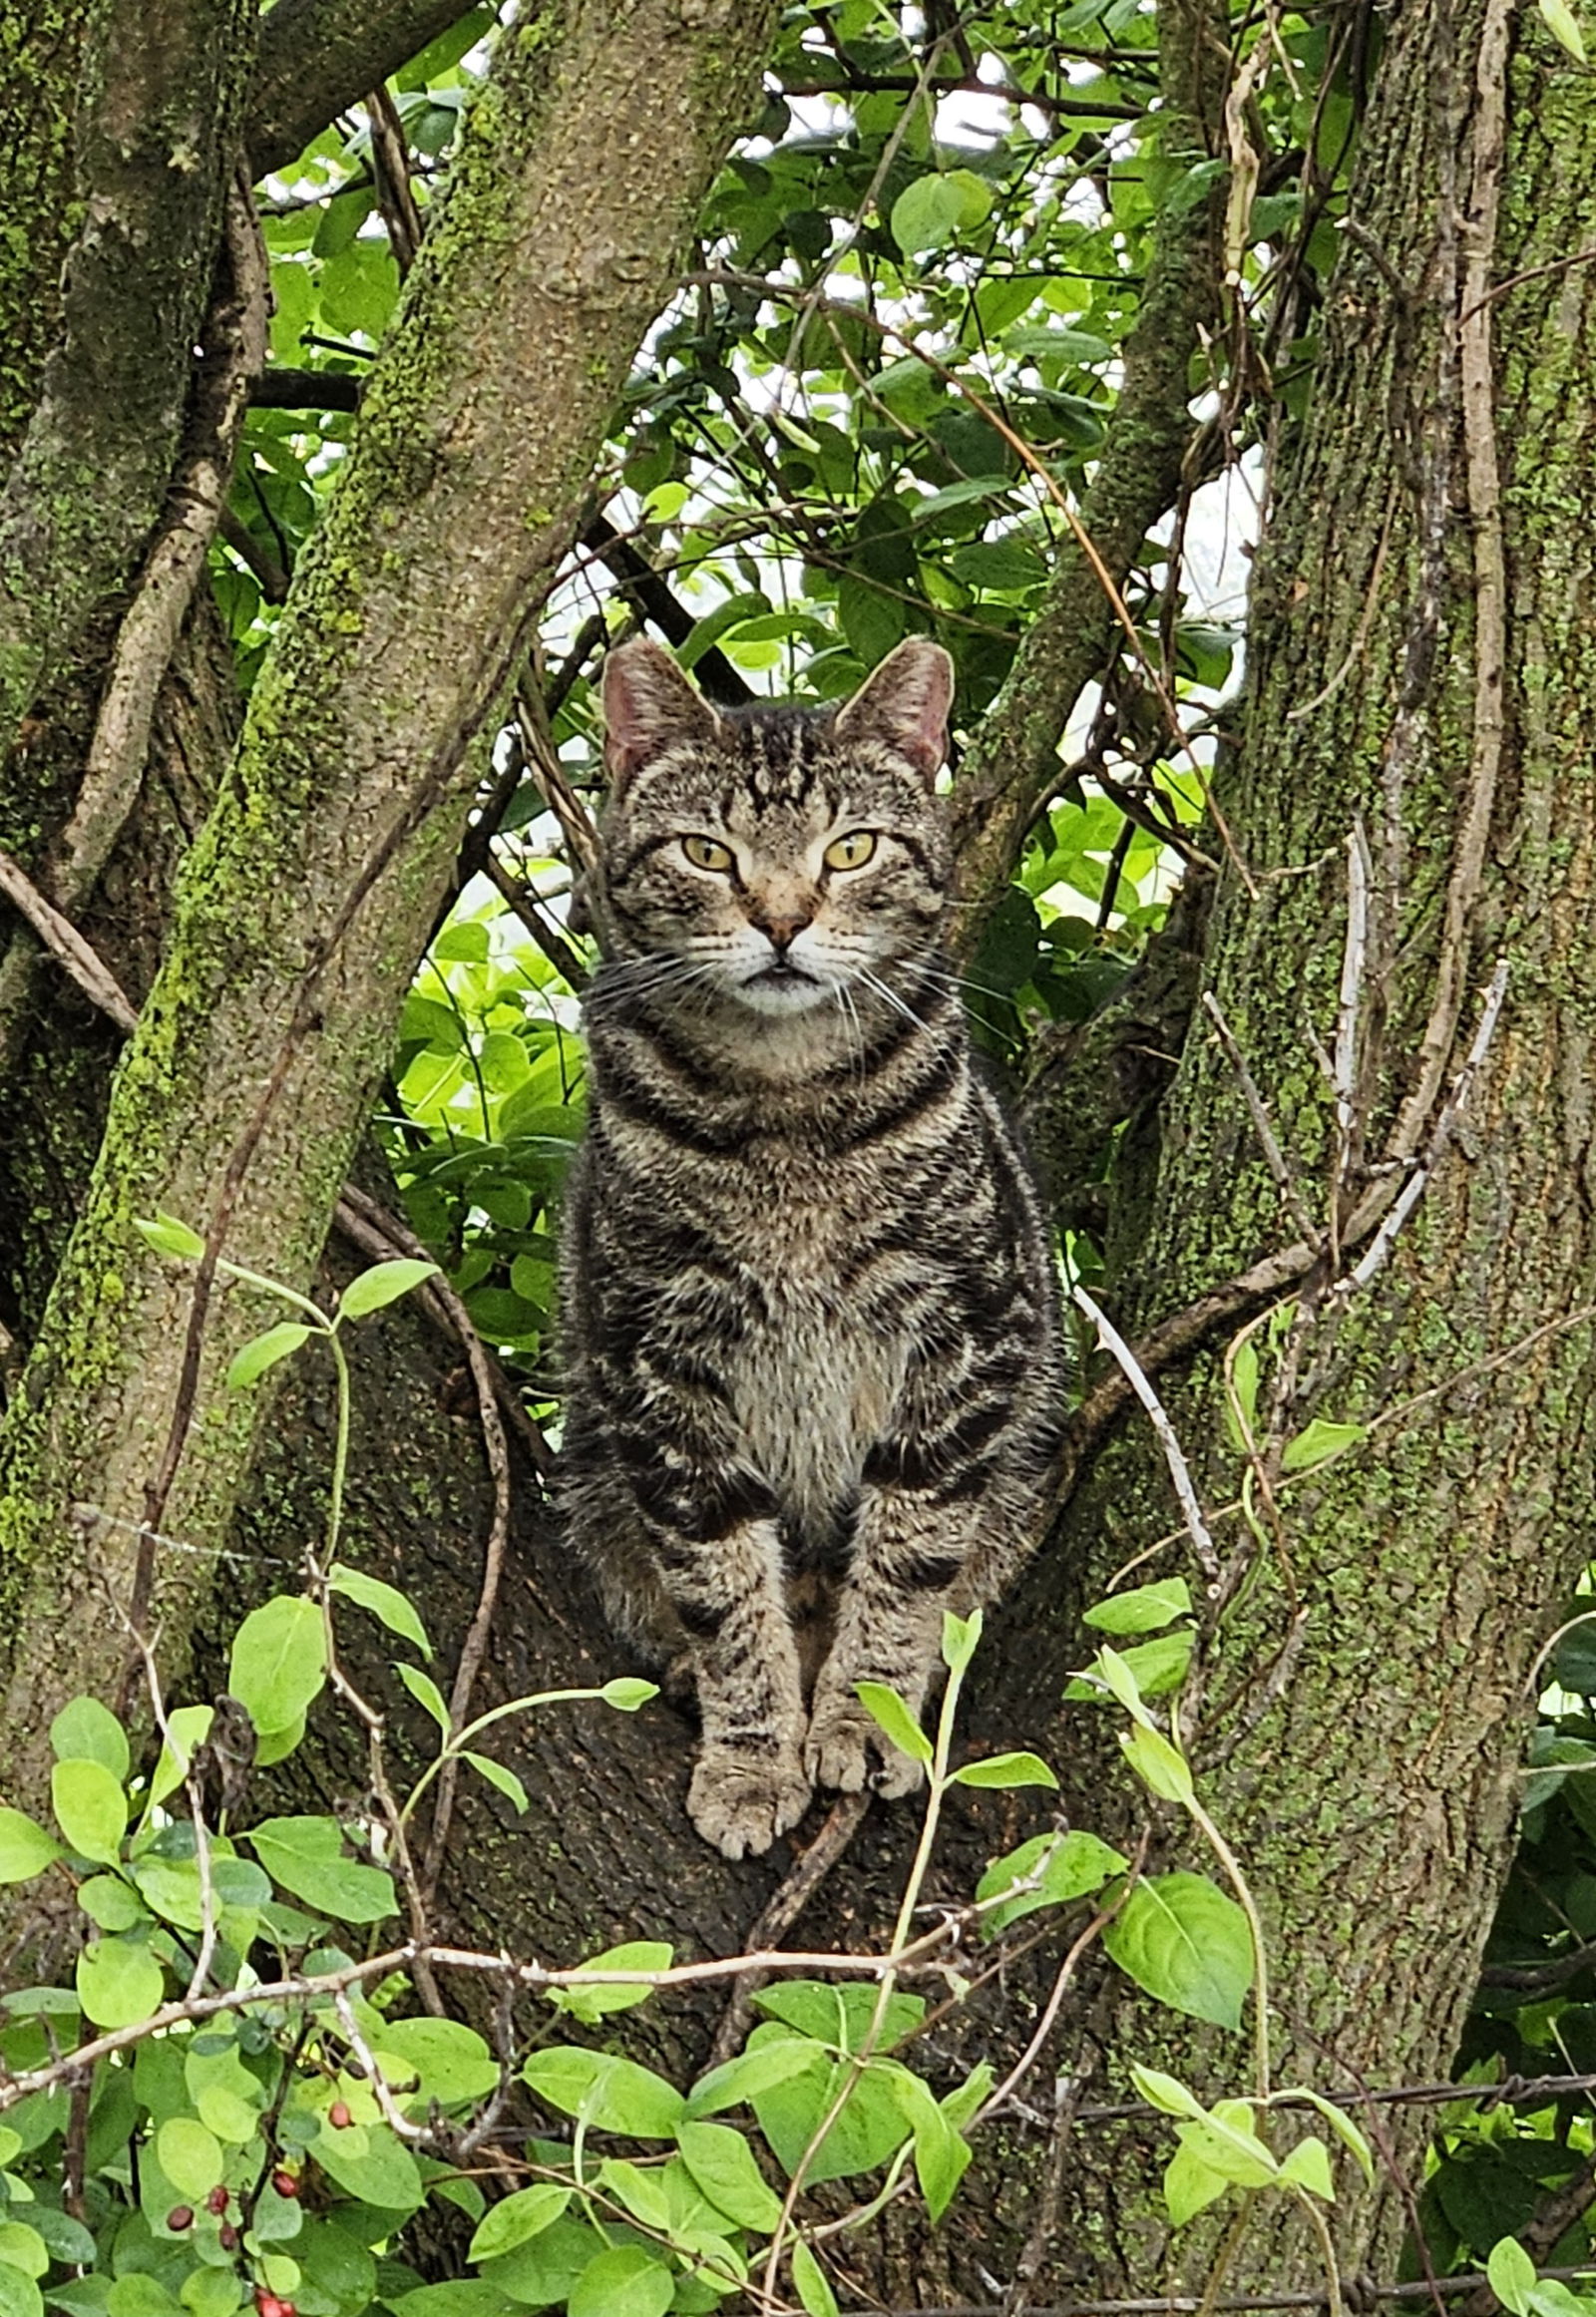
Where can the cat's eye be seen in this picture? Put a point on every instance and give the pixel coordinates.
(852, 851)
(705, 853)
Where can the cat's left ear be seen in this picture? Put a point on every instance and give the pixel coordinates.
(650, 706)
(904, 704)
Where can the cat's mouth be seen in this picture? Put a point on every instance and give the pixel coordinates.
(781, 986)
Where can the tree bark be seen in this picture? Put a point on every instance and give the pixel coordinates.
(1362, 1704)
(317, 879)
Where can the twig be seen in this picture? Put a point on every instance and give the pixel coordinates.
(390, 167)
(1412, 1190)
(802, 1881)
(1174, 1456)
(549, 938)
(66, 945)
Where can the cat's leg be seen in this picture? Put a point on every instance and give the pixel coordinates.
(749, 1784)
(911, 1552)
(684, 1543)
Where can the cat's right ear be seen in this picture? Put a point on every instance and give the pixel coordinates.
(650, 706)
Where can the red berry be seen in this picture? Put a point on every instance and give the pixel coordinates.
(285, 2182)
(227, 2237)
(269, 2305)
(338, 2115)
(216, 2201)
(180, 2216)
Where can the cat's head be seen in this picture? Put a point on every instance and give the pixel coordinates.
(773, 856)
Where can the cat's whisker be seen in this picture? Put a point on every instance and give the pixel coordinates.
(885, 989)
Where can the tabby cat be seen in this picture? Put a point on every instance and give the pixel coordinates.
(810, 1311)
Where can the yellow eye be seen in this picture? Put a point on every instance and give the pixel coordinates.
(705, 853)
(852, 851)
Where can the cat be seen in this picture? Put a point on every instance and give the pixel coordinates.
(811, 1315)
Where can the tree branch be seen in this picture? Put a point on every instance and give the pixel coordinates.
(1013, 764)
(320, 57)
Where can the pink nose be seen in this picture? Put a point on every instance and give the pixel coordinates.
(782, 932)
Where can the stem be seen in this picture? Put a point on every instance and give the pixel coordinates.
(341, 1449)
(455, 1744)
(275, 1286)
(861, 2059)
(1238, 1883)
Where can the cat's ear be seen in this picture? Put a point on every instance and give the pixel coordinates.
(650, 706)
(904, 704)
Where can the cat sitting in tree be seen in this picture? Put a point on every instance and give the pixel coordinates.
(811, 1322)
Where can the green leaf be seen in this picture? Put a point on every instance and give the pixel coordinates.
(25, 1849)
(108, 1904)
(497, 1775)
(1165, 2092)
(386, 1602)
(889, 1713)
(1308, 2167)
(170, 1237)
(517, 2217)
(1339, 2122)
(936, 210)
(942, 2155)
(1063, 1867)
(251, 1361)
(756, 2070)
(1120, 1682)
(426, 1693)
(1145, 1609)
(452, 2061)
(1006, 1770)
(959, 1637)
(842, 2016)
(1186, 1943)
(626, 2281)
(810, 2283)
(23, 2248)
(592, 2003)
(1512, 2275)
(19, 2295)
(91, 1809)
(1316, 1442)
(721, 2163)
(374, 2166)
(612, 2094)
(191, 2156)
(1244, 1383)
(306, 1857)
(86, 1730)
(1225, 2140)
(1160, 1766)
(1564, 25)
(278, 1661)
(383, 1284)
(626, 1693)
(188, 1727)
(1190, 2185)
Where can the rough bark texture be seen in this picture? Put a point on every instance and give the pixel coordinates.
(318, 57)
(1367, 1777)
(307, 897)
(157, 127)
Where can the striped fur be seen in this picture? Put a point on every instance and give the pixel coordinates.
(810, 1309)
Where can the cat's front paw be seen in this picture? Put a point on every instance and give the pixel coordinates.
(846, 1750)
(741, 1801)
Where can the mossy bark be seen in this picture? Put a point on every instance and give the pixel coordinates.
(307, 896)
(1365, 1700)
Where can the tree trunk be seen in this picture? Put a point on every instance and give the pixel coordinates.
(1360, 1709)
(317, 877)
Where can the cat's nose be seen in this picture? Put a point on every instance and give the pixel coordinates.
(782, 932)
